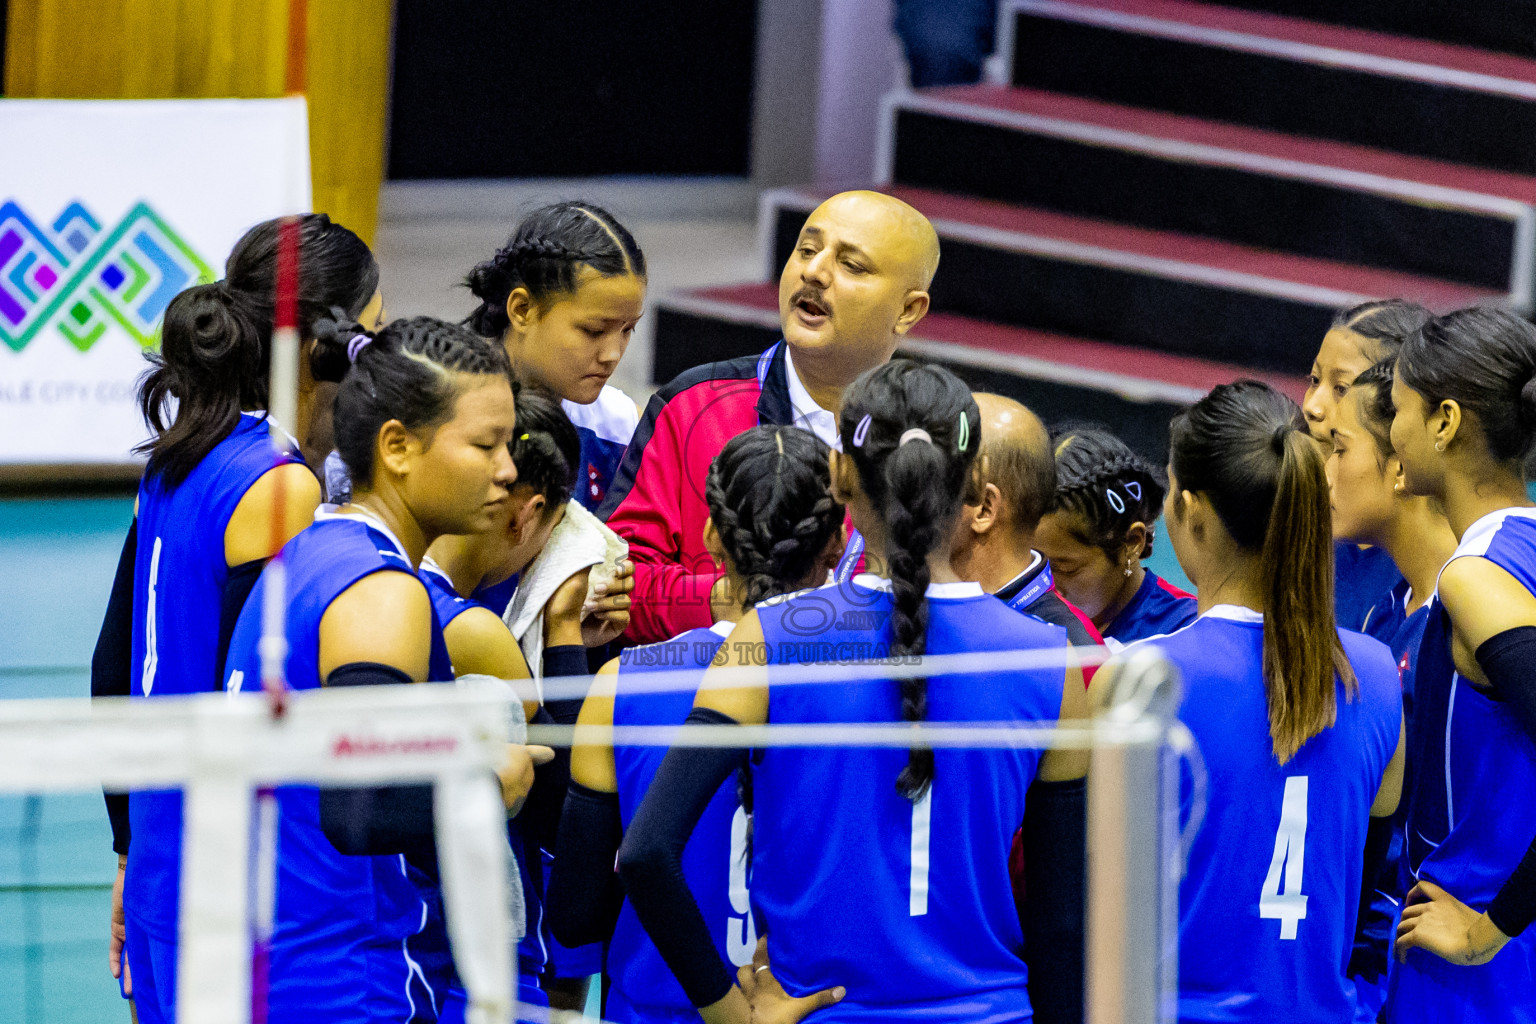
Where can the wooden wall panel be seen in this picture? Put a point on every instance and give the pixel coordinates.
(152, 49)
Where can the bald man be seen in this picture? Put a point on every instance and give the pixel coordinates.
(993, 544)
(855, 284)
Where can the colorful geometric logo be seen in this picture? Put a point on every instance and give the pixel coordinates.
(80, 279)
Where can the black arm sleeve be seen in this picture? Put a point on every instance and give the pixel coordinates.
(1055, 878)
(1507, 661)
(584, 890)
(565, 660)
(651, 862)
(112, 665)
(237, 587)
(1368, 958)
(382, 819)
(541, 813)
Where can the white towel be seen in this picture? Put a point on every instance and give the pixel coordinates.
(579, 542)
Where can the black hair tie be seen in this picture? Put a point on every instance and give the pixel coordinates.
(1279, 436)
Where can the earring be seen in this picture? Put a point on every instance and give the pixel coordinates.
(1439, 446)
(1127, 568)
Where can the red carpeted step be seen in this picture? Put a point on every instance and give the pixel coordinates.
(1313, 197)
(1133, 373)
(1400, 94)
(1133, 391)
(1263, 30)
(1169, 292)
(1157, 252)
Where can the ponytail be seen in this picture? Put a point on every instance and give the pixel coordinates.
(1302, 650)
(1245, 447)
(912, 431)
(216, 339)
(213, 362)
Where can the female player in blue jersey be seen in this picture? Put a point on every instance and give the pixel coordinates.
(776, 528)
(1370, 506)
(1465, 428)
(1099, 528)
(205, 511)
(422, 419)
(1359, 337)
(564, 295)
(546, 451)
(1298, 722)
(879, 870)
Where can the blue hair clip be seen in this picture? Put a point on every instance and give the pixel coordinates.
(861, 431)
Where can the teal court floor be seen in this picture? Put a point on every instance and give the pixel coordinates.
(56, 862)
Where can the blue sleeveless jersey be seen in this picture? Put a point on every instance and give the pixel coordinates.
(715, 859)
(179, 577)
(1360, 577)
(1268, 903)
(356, 939)
(1158, 607)
(497, 596)
(604, 428)
(447, 605)
(1473, 809)
(908, 905)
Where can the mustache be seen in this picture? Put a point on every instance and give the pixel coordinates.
(814, 296)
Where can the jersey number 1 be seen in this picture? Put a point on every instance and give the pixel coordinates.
(1289, 906)
(922, 827)
(151, 639)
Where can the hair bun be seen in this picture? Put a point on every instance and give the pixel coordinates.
(1528, 397)
(331, 358)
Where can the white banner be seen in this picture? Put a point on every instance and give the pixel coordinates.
(108, 208)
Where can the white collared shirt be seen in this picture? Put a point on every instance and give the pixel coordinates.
(809, 415)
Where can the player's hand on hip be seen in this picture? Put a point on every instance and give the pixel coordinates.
(516, 774)
(1436, 921)
(770, 1003)
(115, 958)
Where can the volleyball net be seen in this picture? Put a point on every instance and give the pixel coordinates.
(227, 752)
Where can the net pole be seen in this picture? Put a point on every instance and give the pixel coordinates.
(1131, 968)
(283, 387)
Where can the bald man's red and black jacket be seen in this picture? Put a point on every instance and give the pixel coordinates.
(656, 501)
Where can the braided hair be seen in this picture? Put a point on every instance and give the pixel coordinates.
(1374, 388)
(1104, 487)
(405, 373)
(769, 495)
(916, 487)
(1387, 322)
(544, 256)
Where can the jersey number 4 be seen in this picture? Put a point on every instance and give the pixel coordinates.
(1289, 906)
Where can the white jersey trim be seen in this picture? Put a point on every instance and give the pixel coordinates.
(1479, 537)
(613, 417)
(942, 591)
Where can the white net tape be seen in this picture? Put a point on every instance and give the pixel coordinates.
(220, 749)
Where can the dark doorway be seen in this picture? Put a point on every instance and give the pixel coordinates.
(534, 88)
